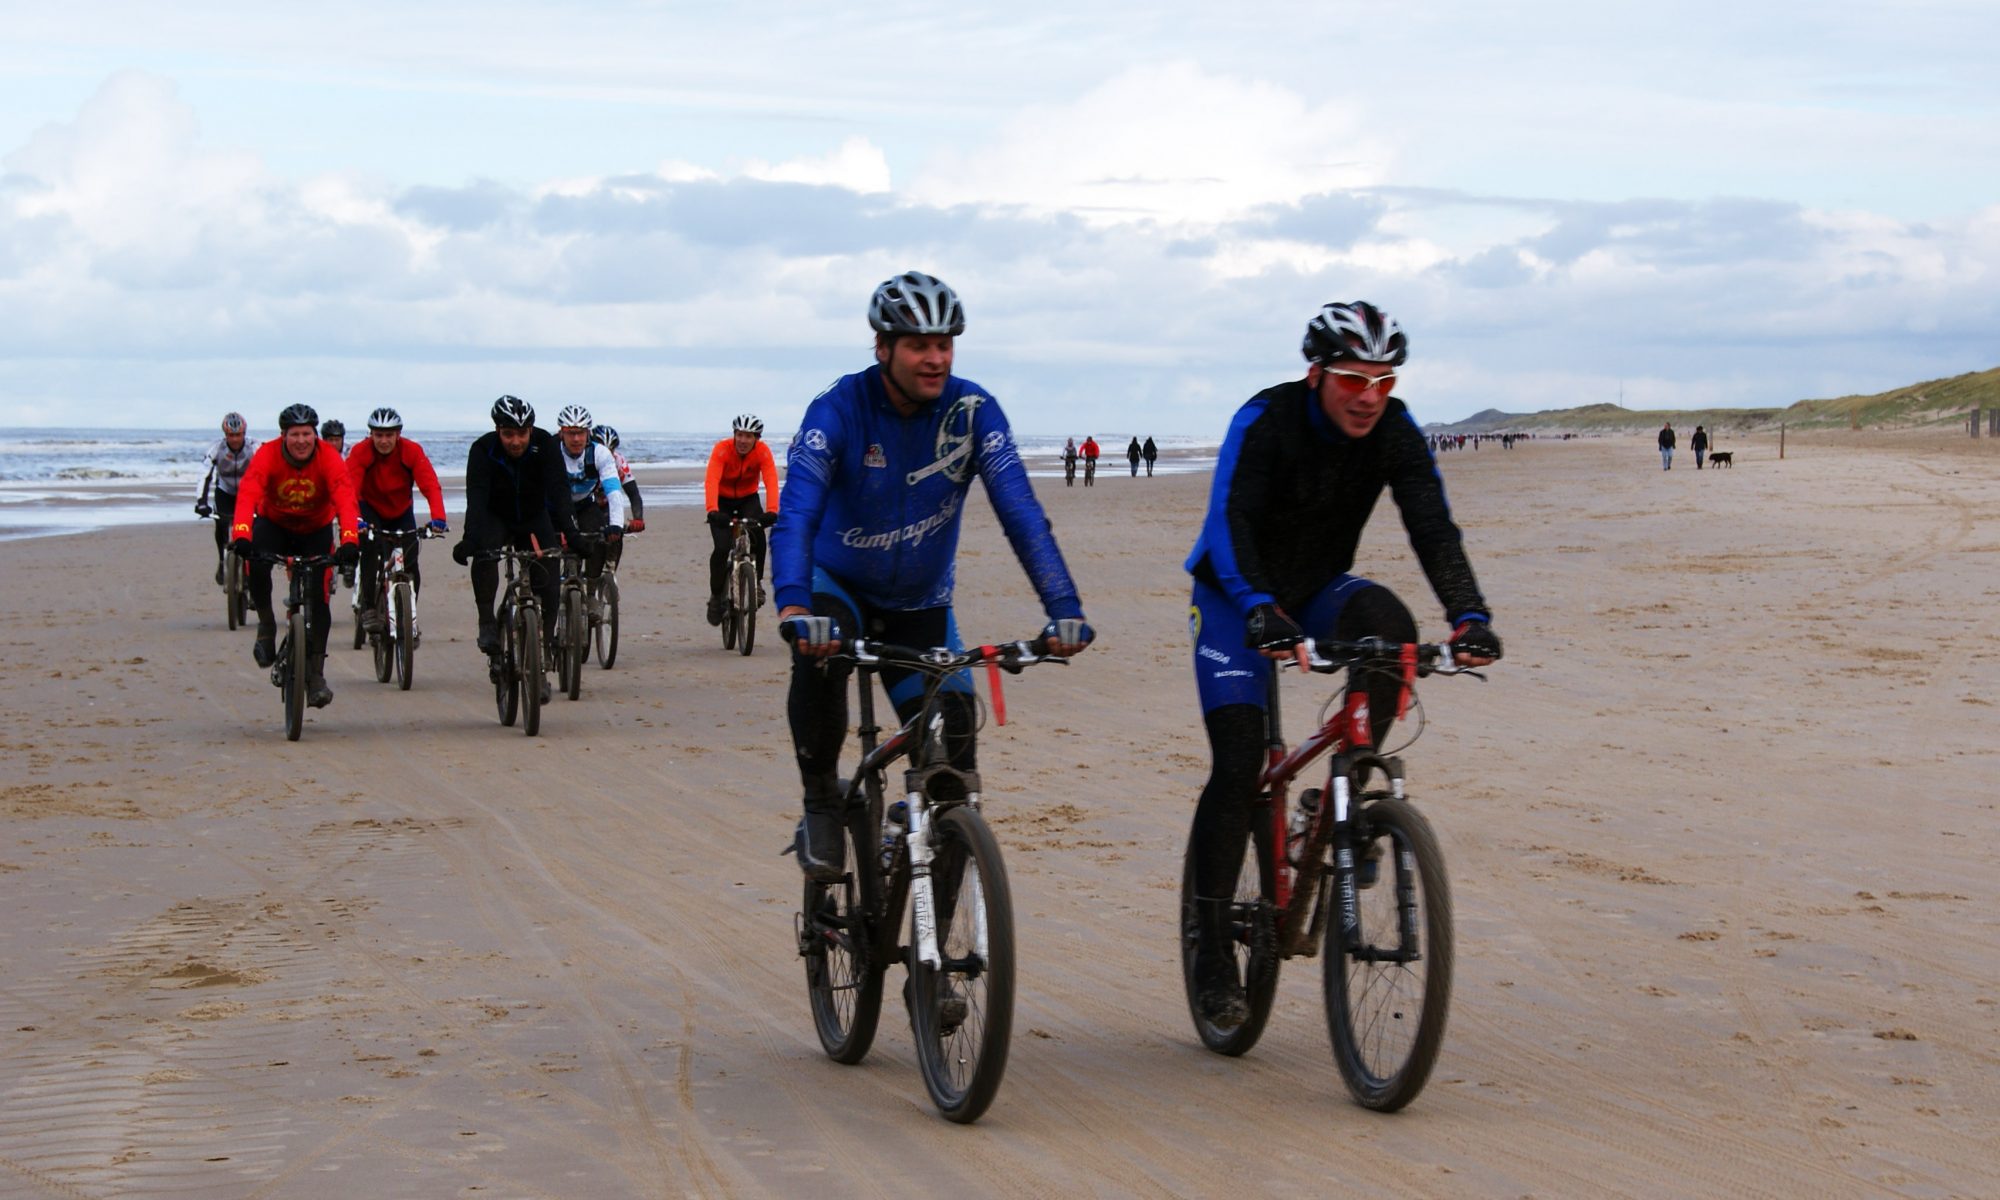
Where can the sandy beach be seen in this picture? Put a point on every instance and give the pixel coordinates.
(1721, 831)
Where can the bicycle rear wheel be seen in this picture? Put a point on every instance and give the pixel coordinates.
(845, 987)
(295, 677)
(507, 686)
(360, 634)
(403, 599)
(574, 640)
(1387, 997)
(232, 590)
(607, 625)
(962, 1012)
(743, 598)
(528, 627)
(1256, 937)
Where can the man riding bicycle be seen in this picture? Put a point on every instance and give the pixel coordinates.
(226, 461)
(607, 437)
(516, 494)
(875, 490)
(736, 465)
(1298, 475)
(292, 493)
(384, 469)
(588, 464)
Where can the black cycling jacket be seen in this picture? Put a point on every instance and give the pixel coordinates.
(516, 492)
(1292, 495)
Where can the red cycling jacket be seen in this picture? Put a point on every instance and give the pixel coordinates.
(383, 481)
(300, 499)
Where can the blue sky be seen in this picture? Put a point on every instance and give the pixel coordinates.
(670, 211)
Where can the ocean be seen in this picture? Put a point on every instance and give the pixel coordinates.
(56, 481)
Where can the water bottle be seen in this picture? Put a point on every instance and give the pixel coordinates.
(893, 823)
(1302, 823)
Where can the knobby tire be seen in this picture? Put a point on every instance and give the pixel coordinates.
(404, 597)
(844, 986)
(962, 1066)
(607, 625)
(1255, 937)
(530, 658)
(507, 689)
(295, 676)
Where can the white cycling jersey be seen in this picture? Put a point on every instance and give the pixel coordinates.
(603, 490)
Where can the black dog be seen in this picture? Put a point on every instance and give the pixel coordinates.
(1723, 458)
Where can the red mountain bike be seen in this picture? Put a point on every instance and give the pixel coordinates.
(1387, 971)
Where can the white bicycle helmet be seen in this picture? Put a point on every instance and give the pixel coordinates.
(746, 423)
(575, 416)
(385, 418)
(914, 302)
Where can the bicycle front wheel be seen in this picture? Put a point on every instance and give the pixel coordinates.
(743, 598)
(1253, 930)
(403, 600)
(607, 625)
(507, 680)
(843, 983)
(295, 677)
(1387, 993)
(962, 1011)
(575, 638)
(528, 656)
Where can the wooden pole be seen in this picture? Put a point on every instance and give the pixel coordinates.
(1781, 439)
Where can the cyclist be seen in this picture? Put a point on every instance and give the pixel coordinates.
(292, 493)
(607, 437)
(875, 490)
(1090, 453)
(588, 464)
(334, 433)
(1300, 470)
(516, 493)
(384, 468)
(1069, 463)
(735, 466)
(226, 462)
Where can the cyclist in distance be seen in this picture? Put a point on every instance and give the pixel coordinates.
(735, 467)
(607, 437)
(226, 461)
(874, 494)
(293, 491)
(515, 490)
(1299, 473)
(596, 506)
(384, 468)
(334, 433)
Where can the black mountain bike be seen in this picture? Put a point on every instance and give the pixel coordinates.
(740, 594)
(395, 600)
(517, 670)
(933, 847)
(288, 670)
(1357, 848)
(235, 589)
(573, 616)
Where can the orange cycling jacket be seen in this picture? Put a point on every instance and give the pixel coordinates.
(301, 499)
(732, 475)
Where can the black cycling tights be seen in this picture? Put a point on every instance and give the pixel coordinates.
(817, 704)
(1236, 746)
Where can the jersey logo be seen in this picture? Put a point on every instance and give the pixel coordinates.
(813, 439)
(1194, 622)
(954, 442)
(874, 457)
(298, 491)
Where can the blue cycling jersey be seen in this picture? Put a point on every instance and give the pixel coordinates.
(876, 498)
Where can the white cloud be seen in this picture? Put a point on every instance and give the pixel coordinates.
(856, 164)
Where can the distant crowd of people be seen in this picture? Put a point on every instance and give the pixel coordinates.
(1135, 453)
(1441, 442)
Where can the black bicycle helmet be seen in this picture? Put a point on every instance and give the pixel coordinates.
(914, 302)
(332, 429)
(512, 412)
(1356, 332)
(298, 414)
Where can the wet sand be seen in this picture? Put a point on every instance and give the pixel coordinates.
(1721, 833)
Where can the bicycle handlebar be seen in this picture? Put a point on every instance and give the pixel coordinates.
(298, 562)
(420, 533)
(1008, 656)
(1432, 658)
(505, 552)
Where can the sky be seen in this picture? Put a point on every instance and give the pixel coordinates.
(673, 212)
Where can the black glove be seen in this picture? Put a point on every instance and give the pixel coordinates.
(767, 519)
(1476, 639)
(348, 554)
(462, 553)
(201, 509)
(716, 519)
(240, 547)
(1270, 629)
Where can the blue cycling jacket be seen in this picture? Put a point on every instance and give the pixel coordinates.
(876, 498)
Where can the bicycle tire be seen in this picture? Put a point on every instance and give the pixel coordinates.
(1369, 1005)
(295, 677)
(507, 688)
(728, 623)
(360, 634)
(573, 641)
(384, 649)
(743, 596)
(1257, 938)
(607, 625)
(232, 590)
(403, 597)
(962, 1063)
(530, 658)
(842, 983)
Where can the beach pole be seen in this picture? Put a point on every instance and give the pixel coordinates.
(1781, 439)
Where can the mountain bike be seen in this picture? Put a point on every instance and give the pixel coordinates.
(516, 670)
(603, 596)
(288, 669)
(1357, 848)
(1069, 471)
(1090, 472)
(933, 847)
(235, 589)
(395, 600)
(742, 596)
(572, 632)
